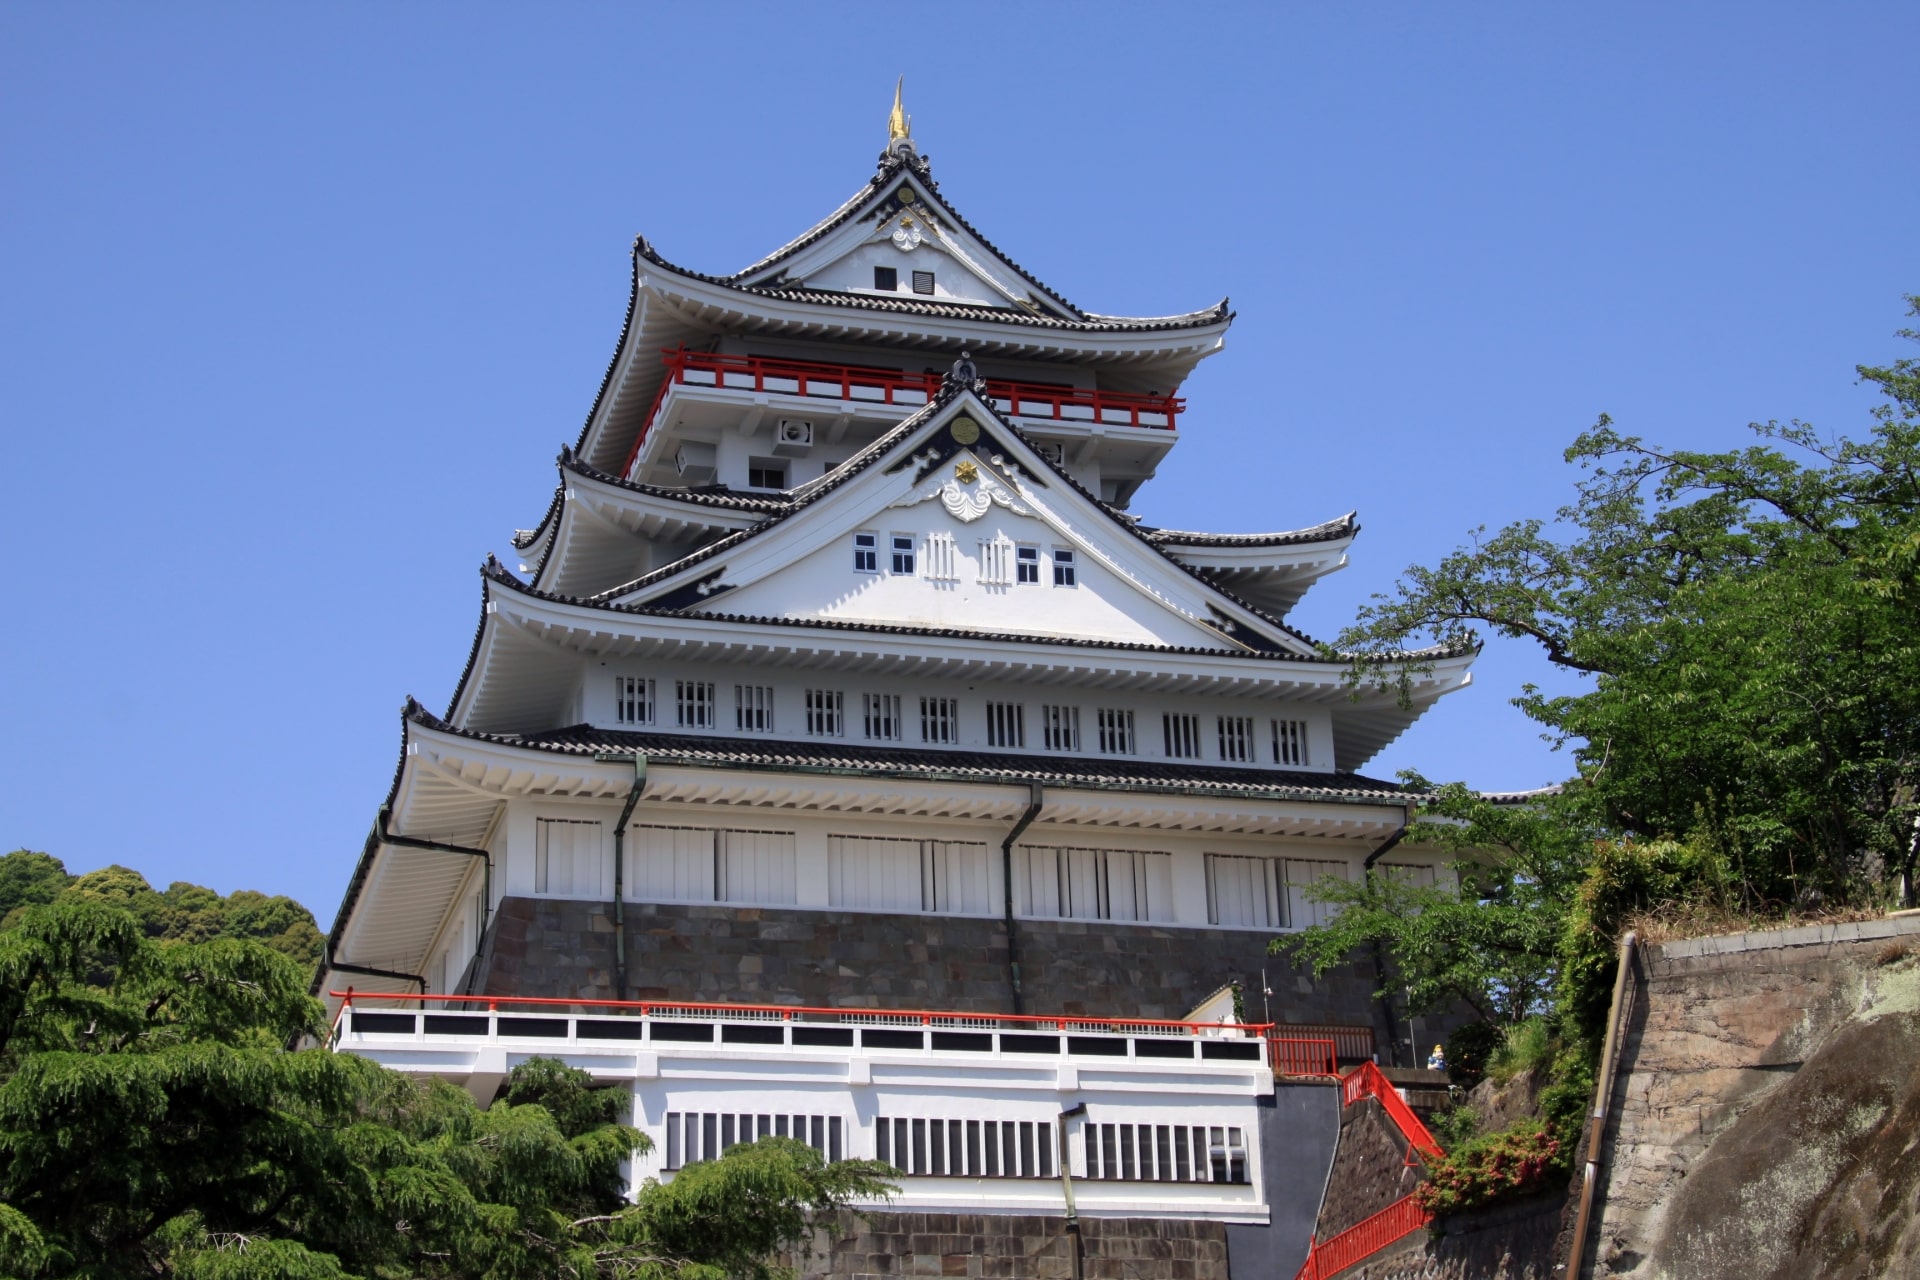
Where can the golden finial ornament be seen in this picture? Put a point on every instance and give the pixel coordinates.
(899, 123)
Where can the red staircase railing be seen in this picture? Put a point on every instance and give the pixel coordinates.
(1370, 1081)
(1335, 1254)
(894, 386)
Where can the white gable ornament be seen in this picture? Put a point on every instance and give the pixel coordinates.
(967, 493)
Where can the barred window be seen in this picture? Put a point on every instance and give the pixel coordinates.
(886, 873)
(902, 544)
(866, 552)
(566, 856)
(1182, 736)
(1165, 1153)
(694, 1136)
(633, 699)
(943, 558)
(1116, 731)
(1236, 738)
(1290, 742)
(1093, 884)
(693, 703)
(933, 1147)
(1267, 893)
(881, 712)
(1060, 727)
(826, 713)
(753, 708)
(1065, 572)
(1027, 564)
(1006, 725)
(996, 562)
(939, 720)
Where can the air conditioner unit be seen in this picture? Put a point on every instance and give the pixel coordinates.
(1053, 451)
(792, 437)
(696, 461)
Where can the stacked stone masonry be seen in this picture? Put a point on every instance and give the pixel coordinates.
(552, 947)
(1028, 1247)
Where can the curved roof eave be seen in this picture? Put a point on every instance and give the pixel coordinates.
(1335, 530)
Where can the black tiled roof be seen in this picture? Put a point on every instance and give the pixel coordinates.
(1330, 531)
(710, 495)
(1090, 772)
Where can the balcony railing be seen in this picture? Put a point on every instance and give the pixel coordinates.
(895, 387)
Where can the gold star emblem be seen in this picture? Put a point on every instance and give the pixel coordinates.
(966, 472)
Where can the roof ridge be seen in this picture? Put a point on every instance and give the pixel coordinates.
(1325, 531)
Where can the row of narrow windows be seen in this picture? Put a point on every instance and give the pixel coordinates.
(931, 1146)
(933, 720)
(936, 877)
(1002, 562)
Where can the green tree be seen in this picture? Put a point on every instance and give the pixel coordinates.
(1747, 621)
(153, 1122)
(1493, 944)
(28, 879)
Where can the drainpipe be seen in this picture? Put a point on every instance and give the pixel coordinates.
(639, 759)
(1379, 953)
(1034, 801)
(1602, 1100)
(1074, 1249)
(337, 967)
(486, 874)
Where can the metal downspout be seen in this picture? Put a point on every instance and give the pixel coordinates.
(435, 846)
(1379, 953)
(1035, 799)
(639, 759)
(1602, 1101)
(365, 972)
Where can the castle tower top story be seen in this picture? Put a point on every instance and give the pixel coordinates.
(837, 671)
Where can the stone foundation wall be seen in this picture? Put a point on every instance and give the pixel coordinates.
(1370, 1169)
(1031, 1248)
(1768, 1110)
(765, 955)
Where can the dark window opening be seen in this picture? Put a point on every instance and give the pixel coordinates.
(887, 278)
(923, 282)
(765, 473)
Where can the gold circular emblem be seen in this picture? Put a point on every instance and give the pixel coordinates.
(964, 430)
(906, 195)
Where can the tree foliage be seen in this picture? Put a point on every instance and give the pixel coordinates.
(1746, 618)
(183, 912)
(1493, 944)
(153, 1122)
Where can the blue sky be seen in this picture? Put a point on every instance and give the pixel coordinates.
(297, 304)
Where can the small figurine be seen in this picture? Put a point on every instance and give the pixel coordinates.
(1437, 1060)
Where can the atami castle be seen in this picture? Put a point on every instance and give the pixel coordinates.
(839, 674)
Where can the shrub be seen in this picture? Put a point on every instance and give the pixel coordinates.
(1523, 1046)
(1515, 1162)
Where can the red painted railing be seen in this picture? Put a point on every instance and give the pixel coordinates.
(1370, 1081)
(1292, 1056)
(894, 386)
(790, 1013)
(1335, 1254)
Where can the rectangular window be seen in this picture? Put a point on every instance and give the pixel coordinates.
(754, 866)
(1006, 724)
(697, 864)
(693, 703)
(1165, 1153)
(866, 553)
(1026, 565)
(1060, 726)
(1410, 873)
(633, 700)
(1093, 884)
(1245, 893)
(923, 282)
(996, 563)
(940, 1148)
(884, 873)
(1182, 736)
(696, 1136)
(1301, 874)
(902, 553)
(1116, 731)
(943, 558)
(566, 857)
(1065, 574)
(753, 708)
(939, 720)
(826, 716)
(1236, 738)
(1290, 742)
(887, 278)
(766, 473)
(881, 712)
